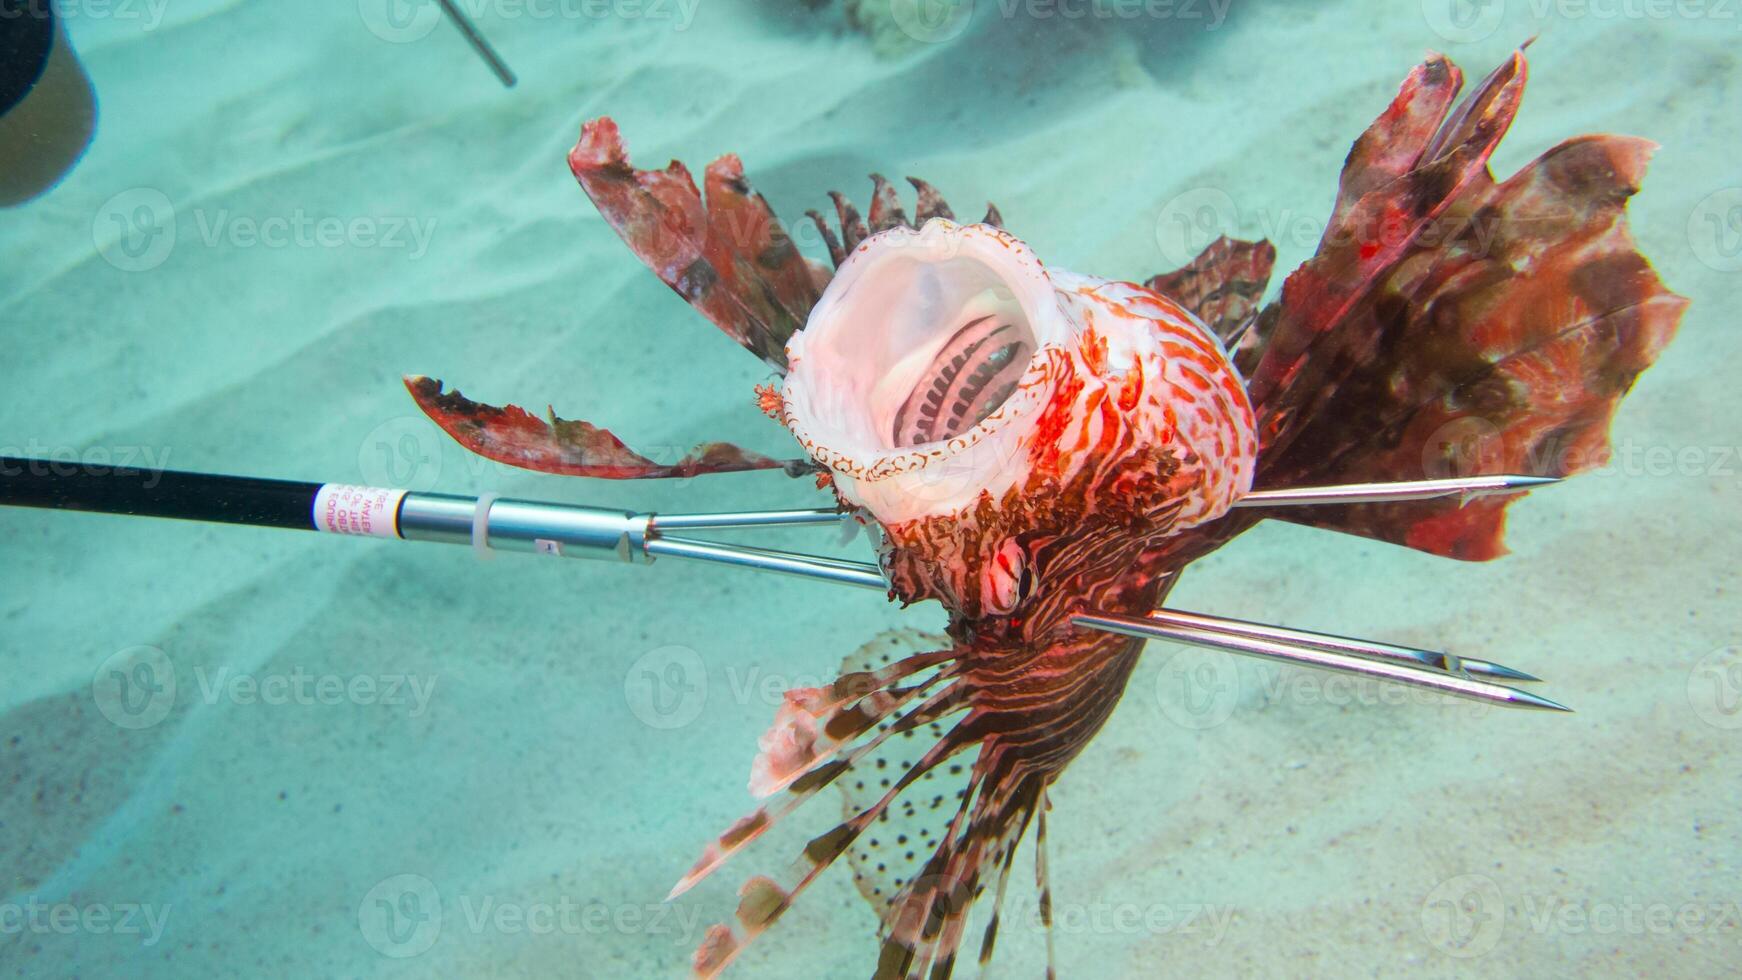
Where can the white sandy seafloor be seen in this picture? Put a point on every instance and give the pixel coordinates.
(245, 752)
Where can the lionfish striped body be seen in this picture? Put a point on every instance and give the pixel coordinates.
(1033, 443)
(1127, 427)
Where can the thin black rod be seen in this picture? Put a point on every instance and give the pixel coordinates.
(479, 43)
(157, 493)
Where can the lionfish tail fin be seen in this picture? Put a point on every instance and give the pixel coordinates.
(516, 437)
(1454, 325)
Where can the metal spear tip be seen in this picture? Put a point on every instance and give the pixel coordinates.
(1520, 482)
(1278, 644)
(1465, 488)
(1525, 699)
(1499, 671)
(1505, 483)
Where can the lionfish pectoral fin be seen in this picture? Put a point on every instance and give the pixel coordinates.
(729, 257)
(937, 829)
(1451, 325)
(820, 736)
(926, 915)
(516, 437)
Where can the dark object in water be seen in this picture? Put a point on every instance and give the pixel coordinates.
(479, 43)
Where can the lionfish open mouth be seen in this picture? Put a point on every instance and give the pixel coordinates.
(970, 376)
(924, 354)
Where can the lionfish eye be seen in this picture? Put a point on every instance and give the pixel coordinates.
(1006, 581)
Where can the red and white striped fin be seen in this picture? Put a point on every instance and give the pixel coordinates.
(823, 770)
(763, 899)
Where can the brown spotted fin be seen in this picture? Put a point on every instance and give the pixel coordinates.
(1223, 286)
(727, 256)
(822, 736)
(516, 437)
(1453, 325)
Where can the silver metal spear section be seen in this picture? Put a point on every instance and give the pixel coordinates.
(1468, 487)
(574, 531)
(625, 536)
(488, 523)
(1289, 653)
(1365, 649)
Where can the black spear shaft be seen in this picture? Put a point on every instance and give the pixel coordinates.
(157, 493)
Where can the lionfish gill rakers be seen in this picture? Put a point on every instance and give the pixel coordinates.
(1030, 442)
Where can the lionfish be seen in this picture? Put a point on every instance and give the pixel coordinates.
(1031, 442)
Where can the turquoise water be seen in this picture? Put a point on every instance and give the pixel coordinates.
(236, 751)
